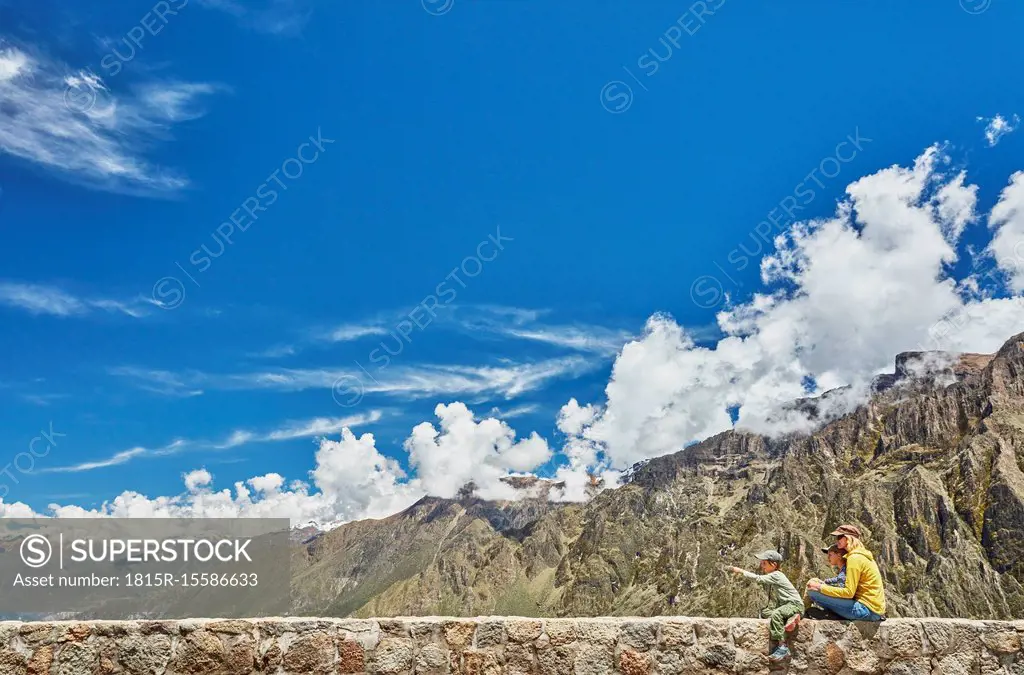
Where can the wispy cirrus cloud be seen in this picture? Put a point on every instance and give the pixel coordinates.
(318, 426)
(514, 411)
(352, 331)
(509, 379)
(276, 17)
(525, 324)
(345, 332)
(70, 122)
(161, 382)
(581, 338)
(118, 458)
(480, 321)
(43, 399)
(44, 299)
(291, 430)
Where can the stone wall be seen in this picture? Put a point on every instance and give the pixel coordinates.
(494, 645)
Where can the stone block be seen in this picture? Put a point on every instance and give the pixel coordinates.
(481, 663)
(231, 627)
(351, 658)
(1001, 640)
(12, 662)
(677, 633)
(431, 660)
(76, 658)
(955, 664)
(903, 638)
(561, 631)
(598, 631)
(199, 652)
(241, 655)
(311, 653)
(519, 659)
(594, 659)
(520, 631)
(921, 665)
(393, 655)
(393, 628)
(556, 660)
(750, 662)
(751, 636)
(720, 656)
(144, 654)
(835, 659)
(458, 634)
(638, 635)
(425, 632)
(490, 634)
(40, 661)
(634, 663)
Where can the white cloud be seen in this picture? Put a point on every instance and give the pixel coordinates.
(845, 295)
(464, 451)
(415, 381)
(514, 411)
(586, 339)
(276, 17)
(197, 479)
(276, 352)
(40, 299)
(319, 426)
(161, 382)
(351, 478)
(999, 126)
(349, 332)
(524, 324)
(478, 321)
(1007, 220)
(117, 458)
(72, 123)
(842, 296)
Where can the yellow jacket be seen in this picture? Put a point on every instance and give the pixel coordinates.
(863, 582)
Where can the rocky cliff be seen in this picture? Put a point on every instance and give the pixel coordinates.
(931, 468)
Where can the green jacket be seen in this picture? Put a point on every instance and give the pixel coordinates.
(780, 589)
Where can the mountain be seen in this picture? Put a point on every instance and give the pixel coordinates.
(931, 467)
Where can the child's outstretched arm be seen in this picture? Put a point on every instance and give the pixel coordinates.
(759, 578)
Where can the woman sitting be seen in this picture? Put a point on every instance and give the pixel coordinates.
(863, 597)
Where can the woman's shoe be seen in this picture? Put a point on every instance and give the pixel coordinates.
(819, 614)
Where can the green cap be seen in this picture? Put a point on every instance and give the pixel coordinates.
(770, 555)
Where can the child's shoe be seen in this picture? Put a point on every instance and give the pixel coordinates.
(793, 622)
(781, 653)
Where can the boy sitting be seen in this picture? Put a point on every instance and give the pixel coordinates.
(837, 561)
(784, 602)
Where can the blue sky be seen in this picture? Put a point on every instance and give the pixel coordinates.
(576, 186)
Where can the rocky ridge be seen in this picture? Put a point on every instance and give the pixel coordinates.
(931, 468)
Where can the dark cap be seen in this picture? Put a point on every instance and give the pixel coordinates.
(769, 555)
(846, 531)
(834, 548)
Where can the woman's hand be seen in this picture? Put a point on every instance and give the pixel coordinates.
(735, 570)
(814, 585)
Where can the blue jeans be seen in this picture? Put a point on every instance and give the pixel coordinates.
(848, 609)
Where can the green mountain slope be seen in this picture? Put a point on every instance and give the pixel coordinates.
(931, 468)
